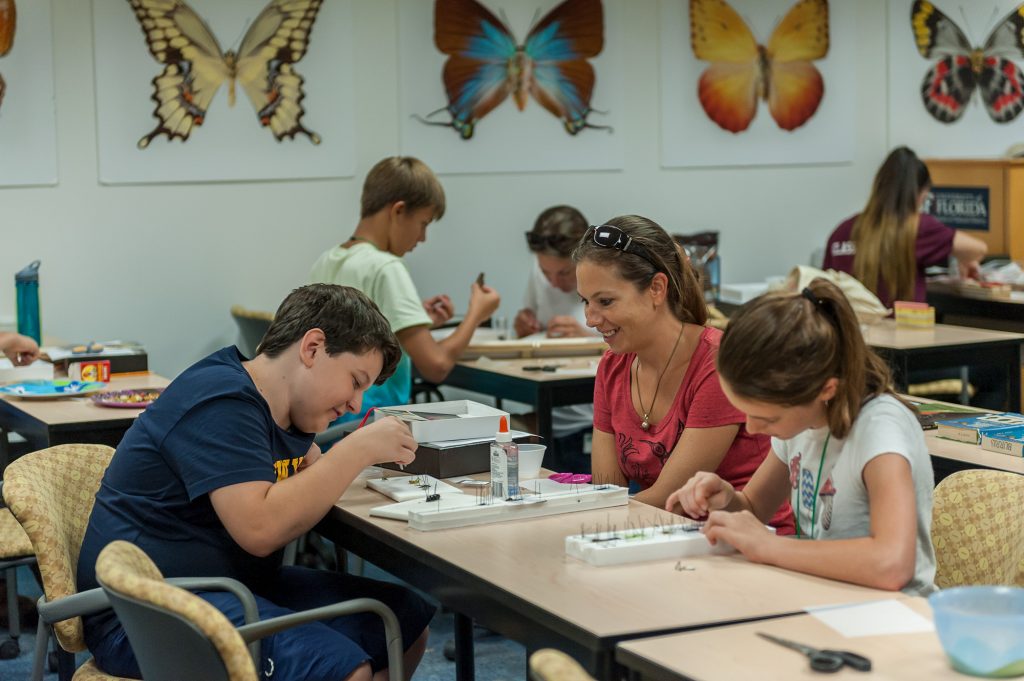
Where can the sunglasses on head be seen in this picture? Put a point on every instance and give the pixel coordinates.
(607, 236)
(558, 242)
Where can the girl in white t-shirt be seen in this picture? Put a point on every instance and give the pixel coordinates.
(848, 453)
(552, 307)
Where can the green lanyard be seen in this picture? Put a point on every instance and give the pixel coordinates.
(817, 486)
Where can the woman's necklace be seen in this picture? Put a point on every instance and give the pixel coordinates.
(646, 422)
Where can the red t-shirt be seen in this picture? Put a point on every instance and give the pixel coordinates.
(933, 247)
(699, 403)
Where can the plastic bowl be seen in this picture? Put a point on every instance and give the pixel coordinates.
(981, 628)
(530, 459)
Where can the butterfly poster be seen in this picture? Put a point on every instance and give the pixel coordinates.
(197, 90)
(757, 82)
(956, 76)
(511, 85)
(28, 126)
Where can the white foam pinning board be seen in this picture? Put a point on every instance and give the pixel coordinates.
(406, 487)
(464, 510)
(635, 545)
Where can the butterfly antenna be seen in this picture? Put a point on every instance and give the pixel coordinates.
(967, 23)
(508, 26)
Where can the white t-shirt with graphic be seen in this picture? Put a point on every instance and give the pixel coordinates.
(546, 301)
(830, 499)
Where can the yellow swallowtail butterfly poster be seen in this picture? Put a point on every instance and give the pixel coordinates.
(197, 90)
(28, 126)
(757, 82)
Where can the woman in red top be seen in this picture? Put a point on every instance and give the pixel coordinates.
(659, 413)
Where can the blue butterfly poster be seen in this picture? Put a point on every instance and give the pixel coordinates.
(956, 76)
(511, 85)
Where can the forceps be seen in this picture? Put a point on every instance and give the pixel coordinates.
(824, 660)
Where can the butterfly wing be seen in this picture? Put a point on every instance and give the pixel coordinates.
(558, 47)
(795, 87)
(8, 22)
(1001, 82)
(195, 67)
(277, 39)
(729, 87)
(947, 87)
(480, 51)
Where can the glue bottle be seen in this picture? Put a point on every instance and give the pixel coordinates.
(504, 464)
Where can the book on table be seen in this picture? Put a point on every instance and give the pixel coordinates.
(970, 429)
(1009, 441)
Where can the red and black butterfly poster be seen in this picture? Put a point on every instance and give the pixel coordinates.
(243, 90)
(956, 76)
(511, 85)
(28, 123)
(757, 82)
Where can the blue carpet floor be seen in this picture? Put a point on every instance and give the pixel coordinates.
(497, 659)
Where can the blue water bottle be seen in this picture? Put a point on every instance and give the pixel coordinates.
(26, 284)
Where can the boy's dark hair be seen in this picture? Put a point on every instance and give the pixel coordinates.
(402, 178)
(557, 231)
(350, 321)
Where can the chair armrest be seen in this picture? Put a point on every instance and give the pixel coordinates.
(75, 605)
(241, 591)
(392, 630)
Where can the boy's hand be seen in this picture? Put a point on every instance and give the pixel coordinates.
(483, 301)
(564, 326)
(703, 493)
(386, 440)
(440, 309)
(21, 350)
(311, 457)
(525, 323)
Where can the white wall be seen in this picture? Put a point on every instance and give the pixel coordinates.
(163, 263)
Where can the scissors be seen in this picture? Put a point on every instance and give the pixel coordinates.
(824, 660)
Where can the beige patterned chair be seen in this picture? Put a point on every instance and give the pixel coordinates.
(51, 493)
(549, 664)
(176, 635)
(15, 551)
(978, 529)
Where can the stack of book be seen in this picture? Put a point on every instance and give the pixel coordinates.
(997, 432)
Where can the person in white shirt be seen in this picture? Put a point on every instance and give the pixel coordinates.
(552, 308)
(848, 453)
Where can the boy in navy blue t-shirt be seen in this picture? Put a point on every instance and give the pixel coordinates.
(211, 481)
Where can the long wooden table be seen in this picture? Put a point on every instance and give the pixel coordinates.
(944, 347)
(572, 382)
(71, 420)
(736, 652)
(515, 579)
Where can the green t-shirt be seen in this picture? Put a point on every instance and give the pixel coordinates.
(384, 278)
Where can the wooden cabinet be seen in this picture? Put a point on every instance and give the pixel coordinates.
(1004, 180)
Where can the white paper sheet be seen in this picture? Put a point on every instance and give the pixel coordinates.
(877, 618)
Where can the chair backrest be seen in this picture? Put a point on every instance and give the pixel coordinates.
(173, 633)
(51, 492)
(549, 664)
(252, 325)
(978, 528)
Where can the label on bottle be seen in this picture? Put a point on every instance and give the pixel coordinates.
(499, 469)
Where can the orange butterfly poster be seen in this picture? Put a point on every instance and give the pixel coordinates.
(28, 125)
(207, 90)
(512, 85)
(956, 76)
(757, 82)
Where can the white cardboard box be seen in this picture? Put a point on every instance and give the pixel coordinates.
(737, 294)
(474, 420)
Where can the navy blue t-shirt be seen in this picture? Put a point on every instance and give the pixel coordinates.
(211, 428)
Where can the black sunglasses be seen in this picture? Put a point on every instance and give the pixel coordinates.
(559, 242)
(607, 236)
